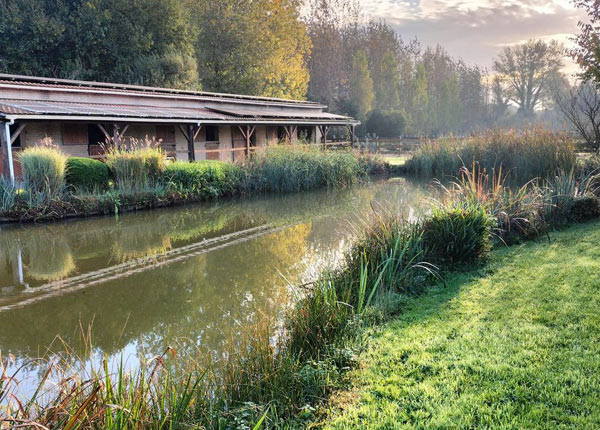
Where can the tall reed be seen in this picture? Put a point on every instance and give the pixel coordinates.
(522, 155)
(288, 168)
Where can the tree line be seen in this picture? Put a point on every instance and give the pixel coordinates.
(323, 50)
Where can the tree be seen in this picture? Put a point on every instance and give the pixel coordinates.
(420, 102)
(386, 123)
(141, 42)
(387, 96)
(527, 70)
(587, 52)
(361, 86)
(580, 105)
(257, 47)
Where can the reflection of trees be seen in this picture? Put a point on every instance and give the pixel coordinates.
(205, 298)
(202, 299)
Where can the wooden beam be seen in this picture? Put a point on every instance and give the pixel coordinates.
(122, 133)
(103, 130)
(17, 132)
(198, 128)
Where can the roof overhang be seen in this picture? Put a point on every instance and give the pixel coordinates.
(241, 121)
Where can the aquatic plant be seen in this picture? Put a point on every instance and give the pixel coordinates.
(289, 168)
(522, 155)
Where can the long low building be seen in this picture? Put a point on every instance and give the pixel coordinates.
(83, 117)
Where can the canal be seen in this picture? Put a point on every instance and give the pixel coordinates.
(190, 277)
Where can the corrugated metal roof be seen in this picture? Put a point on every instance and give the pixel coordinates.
(41, 82)
(288, 113)
(53, 108)
(36, 107)
(56, 99)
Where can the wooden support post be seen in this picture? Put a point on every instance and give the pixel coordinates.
(247, 141)
(6, 148)
(324, 129)
(190, 135)
(115, 138)
(352, 135)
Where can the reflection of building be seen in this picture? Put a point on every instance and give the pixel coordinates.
(81, 116)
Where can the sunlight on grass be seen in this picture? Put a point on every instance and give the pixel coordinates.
(513, 345)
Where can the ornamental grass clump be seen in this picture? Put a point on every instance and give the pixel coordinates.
(137, 164)
(43, 170)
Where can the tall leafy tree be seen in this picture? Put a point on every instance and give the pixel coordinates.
(257, 47)
(361, 86)
(142, 42)
(387, 87)
(527, 70)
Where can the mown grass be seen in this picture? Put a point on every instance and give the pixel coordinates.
(513, 345)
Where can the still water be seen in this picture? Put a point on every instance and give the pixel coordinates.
(191, 276)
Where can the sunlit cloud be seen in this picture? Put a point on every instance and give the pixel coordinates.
(476, 30)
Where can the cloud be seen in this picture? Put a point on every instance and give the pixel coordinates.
(476, 30)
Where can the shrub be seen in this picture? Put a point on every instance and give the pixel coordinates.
(136, 165)
(386, 123)
(584, 208)
(205, 179)
(533, 153)
(87, 174)
(43, 170)
(458, 234)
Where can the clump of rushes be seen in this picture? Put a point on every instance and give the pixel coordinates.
(202, 179)
(288, 168)
(137, 164)
(522, 155)
(44, 169)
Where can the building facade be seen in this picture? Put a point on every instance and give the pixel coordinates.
(83, 118)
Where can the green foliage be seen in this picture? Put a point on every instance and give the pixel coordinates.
(7, 195)
(43, 170)
(468, 354)
(203, 179)
(87, 174)
(289, 168)
(458, 234)
(526, 155)
(143, 42)
(235, 55)
(136, 166)
(361, 86)
(386, 123)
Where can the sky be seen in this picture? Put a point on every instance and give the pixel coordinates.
(476, 30)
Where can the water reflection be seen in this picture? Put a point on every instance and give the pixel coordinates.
(190, 276)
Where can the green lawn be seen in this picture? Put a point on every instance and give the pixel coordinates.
(515, 345)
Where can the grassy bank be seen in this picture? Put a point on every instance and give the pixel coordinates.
(139, 177)
(511, 345)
